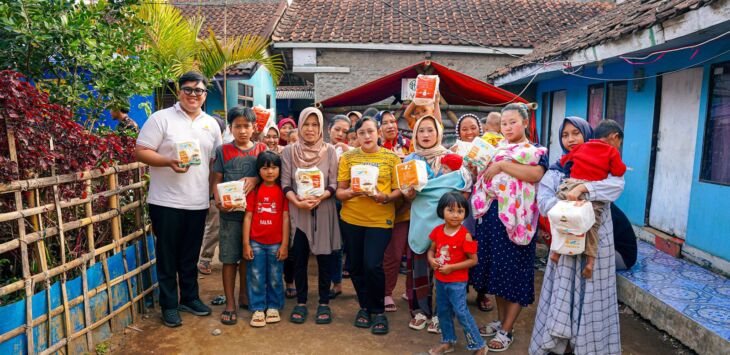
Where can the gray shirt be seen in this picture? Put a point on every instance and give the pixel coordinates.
(235, 164)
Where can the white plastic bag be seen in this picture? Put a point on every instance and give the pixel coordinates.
(426, 88)
(233, 195)
(188, 152)
(364, 178)
(569, 223)
(412, 174)
(310, 182)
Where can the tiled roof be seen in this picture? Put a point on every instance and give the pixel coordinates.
(626, 18)
(242, 18)
(498, 23)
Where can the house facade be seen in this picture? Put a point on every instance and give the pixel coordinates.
(662, 70)
(339, 45)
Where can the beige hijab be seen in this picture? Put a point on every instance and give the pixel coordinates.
(432, 155)
(309, 155)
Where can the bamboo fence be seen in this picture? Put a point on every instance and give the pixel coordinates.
(124, 198)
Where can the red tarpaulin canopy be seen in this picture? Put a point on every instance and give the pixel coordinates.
(456, 88)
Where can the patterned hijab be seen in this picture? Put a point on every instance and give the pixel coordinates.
(309, 155)
(584, 127)
(432, 155)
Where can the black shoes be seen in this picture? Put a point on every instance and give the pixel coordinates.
(171, 318)
(196, 307)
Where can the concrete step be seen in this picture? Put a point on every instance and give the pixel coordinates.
(687, 301)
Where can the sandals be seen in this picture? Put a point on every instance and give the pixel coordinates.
(334, 293)
(484, 304)
(434, 351)
(433, 327)
(218, 300)
(300, 311)
(204, 268)
(502, 338)
(362, 319)
(258, 319)
(390, 304)
(490, 329)
(418, 322)
(272, 316)
(232, 317)
(291, 292)
(326, 312)
(380, 325)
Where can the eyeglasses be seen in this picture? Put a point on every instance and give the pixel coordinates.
(189, 91)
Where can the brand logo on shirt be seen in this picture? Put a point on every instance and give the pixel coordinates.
(266, 206)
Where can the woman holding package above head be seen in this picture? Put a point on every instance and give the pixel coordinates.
(575, 312)
(309, 173)
(504, 199)
(445, 175)
(366, 187)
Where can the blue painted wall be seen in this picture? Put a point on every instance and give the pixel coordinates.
(707, 225)
(262, 83)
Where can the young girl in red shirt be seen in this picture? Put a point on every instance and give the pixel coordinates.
(452, 253)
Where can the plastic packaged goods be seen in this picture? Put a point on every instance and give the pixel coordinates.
(412, 174)
(569, 222)
(426, 88)
(310, 182)
(364, 178)
(478, 153)
(188, 152)
(233, 195)
(262, 117)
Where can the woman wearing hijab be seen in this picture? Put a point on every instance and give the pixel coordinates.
(428, 135)
(392, 139)
(572, 311)
(285, 126)
(314, 219)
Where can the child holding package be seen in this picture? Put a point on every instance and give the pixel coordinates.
(235, 161)
(452, 253)
(414, 112)
(592, 161)
(266, 242)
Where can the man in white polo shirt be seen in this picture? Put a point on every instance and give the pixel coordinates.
(179, 196)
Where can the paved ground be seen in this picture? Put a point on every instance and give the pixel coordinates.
(194, 337)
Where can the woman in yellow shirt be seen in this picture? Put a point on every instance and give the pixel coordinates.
(367, 223)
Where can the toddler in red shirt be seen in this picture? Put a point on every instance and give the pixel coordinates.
(592, 161)
(266, 241)
(452, 253)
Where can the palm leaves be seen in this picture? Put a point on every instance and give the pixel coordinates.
(175, 41)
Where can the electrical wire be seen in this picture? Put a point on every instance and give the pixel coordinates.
(648, 76)
(675, 49)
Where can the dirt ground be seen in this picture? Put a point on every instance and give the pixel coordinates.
(340, 337)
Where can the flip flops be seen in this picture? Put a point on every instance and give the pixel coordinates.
(300, 311)
(324, 311)
(380, 325)
(362, 319)
(232, 317)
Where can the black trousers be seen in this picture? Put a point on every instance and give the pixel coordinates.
(289, 269)
(366, 248)
(179, 235)
(325, 264)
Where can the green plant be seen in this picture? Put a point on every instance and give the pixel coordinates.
(88, 56)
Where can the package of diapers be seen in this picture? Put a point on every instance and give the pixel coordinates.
(569, 223)
(412, 174)
(364, 178)
(188, 152)
(310, 182)
(426, 88)
(478, 153)
(233, 195)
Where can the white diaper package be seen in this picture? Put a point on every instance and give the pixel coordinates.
(364, 178)
(310, 182)
(569, 223)
(233, 195)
